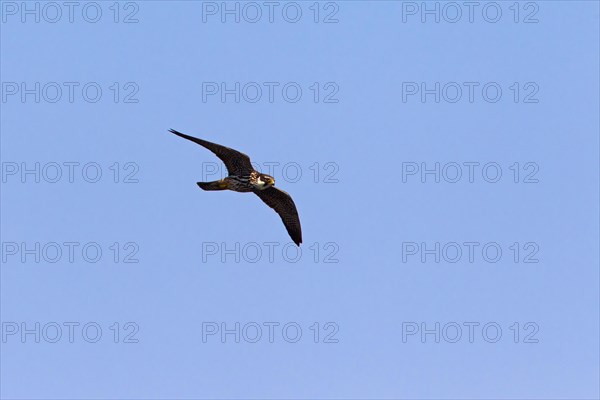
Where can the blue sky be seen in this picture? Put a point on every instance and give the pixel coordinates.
(445, 172)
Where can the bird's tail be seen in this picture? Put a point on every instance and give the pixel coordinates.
(216, 185)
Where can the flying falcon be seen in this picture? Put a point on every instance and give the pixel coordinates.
(243, 178)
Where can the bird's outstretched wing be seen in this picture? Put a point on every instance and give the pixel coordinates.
(283, 204)
(237, 163)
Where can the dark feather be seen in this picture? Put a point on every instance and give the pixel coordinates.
(237, 163)
(283, 204)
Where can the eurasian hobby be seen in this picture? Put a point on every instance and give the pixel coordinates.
(243, 178)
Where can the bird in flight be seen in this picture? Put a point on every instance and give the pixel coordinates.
(243, 178)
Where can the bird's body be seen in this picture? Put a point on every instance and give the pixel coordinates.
(248, 183)
(243, 184)
(240, 184)
(243, 178)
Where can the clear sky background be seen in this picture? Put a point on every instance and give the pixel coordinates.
(367, 274)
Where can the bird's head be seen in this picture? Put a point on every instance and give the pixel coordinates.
(266, 181)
